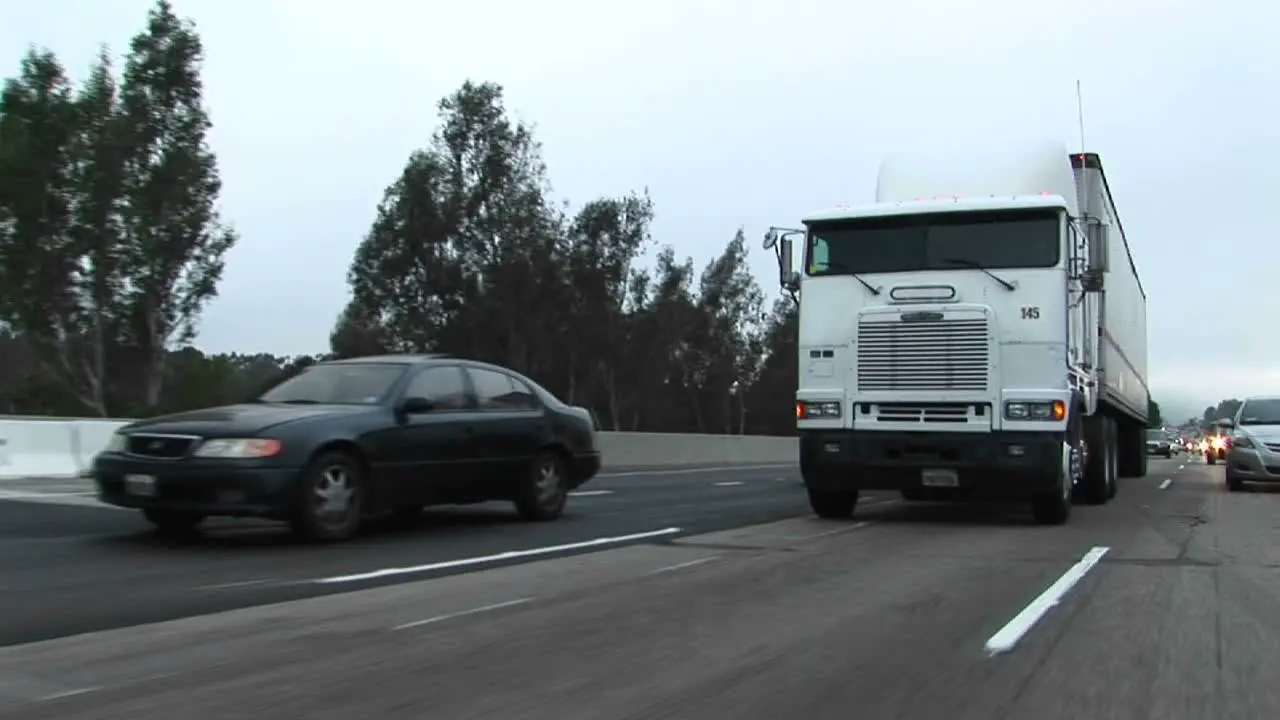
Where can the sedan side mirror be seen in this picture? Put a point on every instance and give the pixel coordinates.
(416, 406)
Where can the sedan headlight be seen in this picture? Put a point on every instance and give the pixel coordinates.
(117, 443)
(1051, 410)
(238, 448)
(806, 410)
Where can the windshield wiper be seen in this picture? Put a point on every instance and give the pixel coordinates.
(846, 270)
(969, 263)
(297, 402)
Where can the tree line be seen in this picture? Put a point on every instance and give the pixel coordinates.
(111, 246)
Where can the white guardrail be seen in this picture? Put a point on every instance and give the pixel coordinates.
(65, 447)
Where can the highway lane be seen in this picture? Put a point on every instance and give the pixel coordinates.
(890, 615)
(69, 565)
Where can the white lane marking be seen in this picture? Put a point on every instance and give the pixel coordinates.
(67, 693)
(462, 613)
(1009, 635)
(590, 493)
(242, 583)
(23, 493)
(1165, 485)
(509, 555)
(89, 500)
(683, 565)
(729, 483)
(824, 533)
(690, 471)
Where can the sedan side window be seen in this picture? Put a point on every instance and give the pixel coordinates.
(443, 386)
(499, 391)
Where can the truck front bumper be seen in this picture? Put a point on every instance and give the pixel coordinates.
(994, 465)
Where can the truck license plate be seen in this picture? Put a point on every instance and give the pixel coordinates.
(939, 478)
(140, 485)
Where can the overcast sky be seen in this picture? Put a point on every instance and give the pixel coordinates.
(737, 113)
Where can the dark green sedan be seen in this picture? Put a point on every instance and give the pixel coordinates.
(349, 439)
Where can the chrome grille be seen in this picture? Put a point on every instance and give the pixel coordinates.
(900, 412)
(947, 354)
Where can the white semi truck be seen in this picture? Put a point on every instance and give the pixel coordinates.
(979, 332)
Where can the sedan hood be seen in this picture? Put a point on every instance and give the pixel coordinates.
(245, 419)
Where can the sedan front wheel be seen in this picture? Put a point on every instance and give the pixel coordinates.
(331, 498)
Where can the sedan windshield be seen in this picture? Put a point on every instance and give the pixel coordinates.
(337, 384)
(1260, 412)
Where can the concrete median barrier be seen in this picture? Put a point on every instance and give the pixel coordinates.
(65, 447)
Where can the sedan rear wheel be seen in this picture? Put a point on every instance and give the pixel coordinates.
(543, 494)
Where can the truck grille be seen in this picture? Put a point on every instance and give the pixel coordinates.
(949, 354)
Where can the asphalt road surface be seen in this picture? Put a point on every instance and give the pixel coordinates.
(728, 601)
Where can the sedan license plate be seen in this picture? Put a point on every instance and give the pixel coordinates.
(939, 478)
(140, 485)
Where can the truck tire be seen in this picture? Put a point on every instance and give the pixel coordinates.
(833, 505)
(1234, 484)
(1053, 508)
(1102, 466)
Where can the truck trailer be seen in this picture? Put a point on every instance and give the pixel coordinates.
(976, 333)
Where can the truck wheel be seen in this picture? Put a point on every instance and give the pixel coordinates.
(914, 495)
(833, 505)
(1099, 482)
(1234, 484)
(1054, 507)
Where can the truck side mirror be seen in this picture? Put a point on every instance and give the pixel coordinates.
(790, 278)
(1099, 250)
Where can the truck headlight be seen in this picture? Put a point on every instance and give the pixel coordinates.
(806, 410)
(238, 448)
(1051, 410)
(116, 443)
(1241, 441)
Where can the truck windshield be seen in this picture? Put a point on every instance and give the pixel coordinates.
(1155, 435)
(902, 243)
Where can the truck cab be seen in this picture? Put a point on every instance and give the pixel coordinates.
(949, 337)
